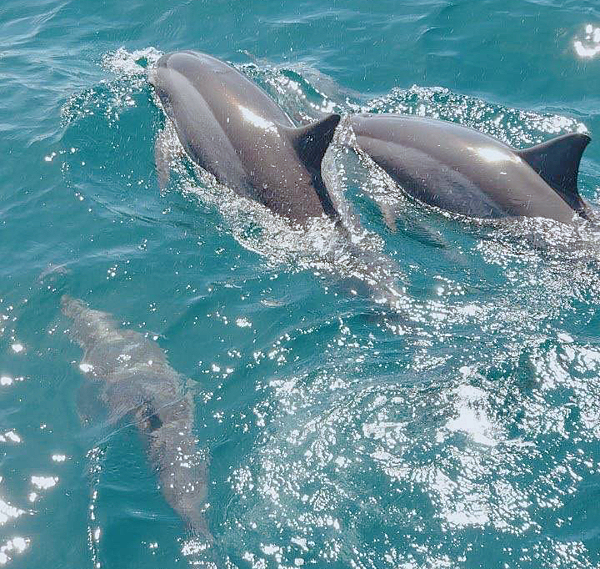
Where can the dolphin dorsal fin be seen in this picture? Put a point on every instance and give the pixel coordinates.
(311, 142)
(557, 162)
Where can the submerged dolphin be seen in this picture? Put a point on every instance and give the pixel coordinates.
(464, 171)
(232, 128)
(135, 380)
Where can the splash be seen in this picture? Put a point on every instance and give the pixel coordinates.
(132, 64)
(112, 97)
(515, 127)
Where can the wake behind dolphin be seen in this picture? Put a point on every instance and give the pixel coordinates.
(135, 380)
(230, 127)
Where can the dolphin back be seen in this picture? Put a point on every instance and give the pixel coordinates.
(230, 127)
(461, 170)
(135, 381)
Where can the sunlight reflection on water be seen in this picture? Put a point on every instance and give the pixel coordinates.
(590, 46)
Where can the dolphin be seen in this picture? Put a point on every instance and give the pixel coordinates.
(135, 380)
(230, 127)
(461, 170)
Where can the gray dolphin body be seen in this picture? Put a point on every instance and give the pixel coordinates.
(232, 128)
(461, 170)
(135, 380)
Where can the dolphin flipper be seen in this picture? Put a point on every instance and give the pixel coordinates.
(162, 158)
(389, 214)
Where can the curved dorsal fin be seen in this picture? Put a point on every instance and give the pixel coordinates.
(557, 162)
(311, 142)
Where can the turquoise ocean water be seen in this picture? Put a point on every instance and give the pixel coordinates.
(459, 428)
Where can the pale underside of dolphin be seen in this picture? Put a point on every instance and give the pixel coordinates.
(135, 381)
(230, 127)
(461, 170)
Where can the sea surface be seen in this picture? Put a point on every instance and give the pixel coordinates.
(452, 421)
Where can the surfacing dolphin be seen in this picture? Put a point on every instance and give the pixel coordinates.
(464, 171)
(136, 381)
(230, 127)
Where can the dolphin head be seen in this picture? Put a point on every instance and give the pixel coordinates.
(72, 307)
(89, 326)
(162, 78)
